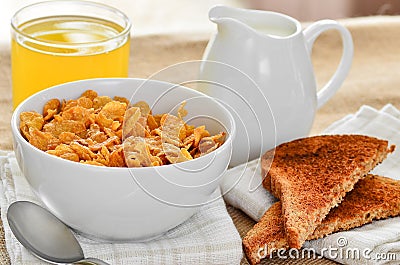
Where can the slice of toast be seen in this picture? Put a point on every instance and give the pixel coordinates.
(312, 175)
(372, 198)
(266, 236)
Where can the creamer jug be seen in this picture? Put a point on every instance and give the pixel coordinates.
(258, 65)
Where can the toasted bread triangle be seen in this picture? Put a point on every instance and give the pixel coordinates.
(312, 175)
(373, 198)
(266, 236)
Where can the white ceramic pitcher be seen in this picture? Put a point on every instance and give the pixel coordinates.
(265, 75)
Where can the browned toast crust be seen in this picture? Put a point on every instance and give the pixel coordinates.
(312, 175)
(266, 235)
(372, 198)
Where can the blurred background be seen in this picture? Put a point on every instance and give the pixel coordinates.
(310, 10)
(182, 16)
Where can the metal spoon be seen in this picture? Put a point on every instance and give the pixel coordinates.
(45, 235)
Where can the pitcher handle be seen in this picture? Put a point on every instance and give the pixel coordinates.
(311, 33)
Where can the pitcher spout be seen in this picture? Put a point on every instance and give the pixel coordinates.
(227, 18)
(263, 23)
(219, 12)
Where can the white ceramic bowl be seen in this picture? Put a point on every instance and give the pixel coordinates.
(121, 204)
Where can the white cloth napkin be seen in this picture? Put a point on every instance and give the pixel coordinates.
(209, 237)
(376, 243)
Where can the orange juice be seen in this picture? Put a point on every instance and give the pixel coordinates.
(54, 50)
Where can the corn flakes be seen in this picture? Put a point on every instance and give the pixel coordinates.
(104, 131)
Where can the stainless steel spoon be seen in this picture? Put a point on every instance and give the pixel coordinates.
(45, 235)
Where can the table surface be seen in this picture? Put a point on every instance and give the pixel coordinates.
(373, 80)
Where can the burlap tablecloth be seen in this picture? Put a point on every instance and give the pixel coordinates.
(374, 80)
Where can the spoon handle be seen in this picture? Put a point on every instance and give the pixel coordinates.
(91, 261)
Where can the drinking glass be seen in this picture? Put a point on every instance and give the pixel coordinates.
(60, 41)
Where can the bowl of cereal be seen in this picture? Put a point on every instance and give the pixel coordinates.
(122, 159)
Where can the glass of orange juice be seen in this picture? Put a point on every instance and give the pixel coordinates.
(60, 41)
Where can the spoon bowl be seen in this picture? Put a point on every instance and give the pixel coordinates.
(44, 235)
